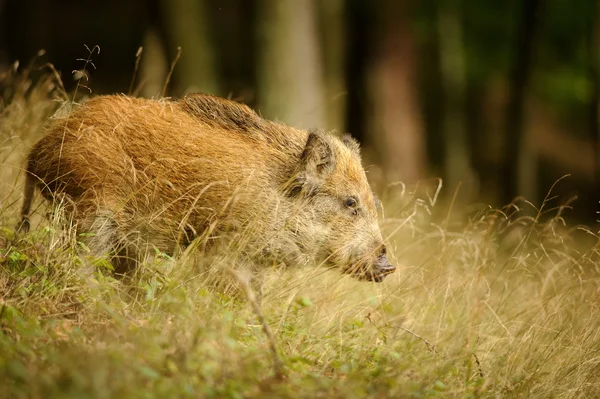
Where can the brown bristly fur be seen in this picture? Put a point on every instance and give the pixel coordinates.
(158, 173)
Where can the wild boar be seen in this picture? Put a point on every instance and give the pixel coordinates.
(161, 172)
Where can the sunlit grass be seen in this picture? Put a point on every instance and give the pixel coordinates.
(503, 303)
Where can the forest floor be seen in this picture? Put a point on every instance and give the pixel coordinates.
(502, 303)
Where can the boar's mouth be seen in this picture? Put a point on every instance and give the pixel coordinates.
(376, 273)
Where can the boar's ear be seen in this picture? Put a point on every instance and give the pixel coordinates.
(351, 143)
(317, 157)
(316, 163)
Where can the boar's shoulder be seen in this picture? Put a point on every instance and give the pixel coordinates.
(219, 112)
(230, 115)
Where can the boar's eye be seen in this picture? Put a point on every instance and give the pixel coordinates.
(350, 202)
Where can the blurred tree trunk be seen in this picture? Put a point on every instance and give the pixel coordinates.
(153, 66)
(520, 177)
(233, 23)
(453, 70)
(187, 26)
(396, 125)
(595, 102)
(358, 18)
(333, 32)
(290, 75)
(483, 178)
(3, 56)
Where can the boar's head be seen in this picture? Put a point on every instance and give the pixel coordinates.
(340, 207)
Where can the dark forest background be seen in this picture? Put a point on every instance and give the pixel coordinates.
(501, 98)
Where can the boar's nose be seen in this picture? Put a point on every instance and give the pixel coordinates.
(383, 266)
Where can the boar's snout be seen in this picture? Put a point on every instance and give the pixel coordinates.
(381, 268)
(375, 270)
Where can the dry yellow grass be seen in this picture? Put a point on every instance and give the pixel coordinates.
(499, 305)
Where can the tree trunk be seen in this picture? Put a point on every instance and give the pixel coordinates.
(358, 19)
(595, 103)
(153, 67)
(333, 32)
(396, 125)
(520, 159)
(478, 139)
(290, 75)
(457, 164)
(186, 24)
